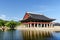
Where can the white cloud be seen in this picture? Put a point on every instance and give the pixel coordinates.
(3, 17)
(17, 18)
(13, 18)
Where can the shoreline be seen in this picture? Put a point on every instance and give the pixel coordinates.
(52, 29)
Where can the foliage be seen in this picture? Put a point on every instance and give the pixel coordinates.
(2, 22)
(12, 24)
(18, 23)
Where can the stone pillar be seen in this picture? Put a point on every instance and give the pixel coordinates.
(51, 25)
(41, 25)
(30, 25)
(44, 25)
(47, 25)
(34, 24)
(26, 25)
(37, 25)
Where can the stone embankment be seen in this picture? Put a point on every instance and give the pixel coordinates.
(41, 29)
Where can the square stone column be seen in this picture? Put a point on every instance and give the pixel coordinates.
(51, 25)
(41, 25)
(44, 25)
(47, 25)
(37, 25)
(34, 25)
(30, 25)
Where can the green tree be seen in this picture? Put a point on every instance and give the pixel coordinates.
(18, 23)
(11, 24)
(2, 23)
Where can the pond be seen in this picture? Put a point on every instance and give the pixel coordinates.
(28, 35)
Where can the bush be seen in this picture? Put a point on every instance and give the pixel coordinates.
(12, 24)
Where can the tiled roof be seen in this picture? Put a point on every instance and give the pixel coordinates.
(39, 16)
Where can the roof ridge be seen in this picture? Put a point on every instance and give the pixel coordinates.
(34, 13)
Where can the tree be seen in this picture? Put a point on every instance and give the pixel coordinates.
(2, 23)
(18, 23)
(12, 24)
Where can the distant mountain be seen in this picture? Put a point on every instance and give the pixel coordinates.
(56, 24)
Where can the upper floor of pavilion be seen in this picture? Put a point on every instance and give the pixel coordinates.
(31, 17)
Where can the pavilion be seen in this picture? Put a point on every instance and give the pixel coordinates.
(36, 20)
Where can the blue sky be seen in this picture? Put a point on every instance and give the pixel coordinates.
(16, 9)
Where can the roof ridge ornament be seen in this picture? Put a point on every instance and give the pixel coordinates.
(35, 13)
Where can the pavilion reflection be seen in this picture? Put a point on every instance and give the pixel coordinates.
(36, 35)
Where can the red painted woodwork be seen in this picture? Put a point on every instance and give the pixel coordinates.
(37, 22)
(26, 16)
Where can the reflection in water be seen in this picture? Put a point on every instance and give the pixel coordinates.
(10, 35)
(29, 35)
(36, 35)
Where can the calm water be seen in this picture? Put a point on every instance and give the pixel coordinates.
(29, 35)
